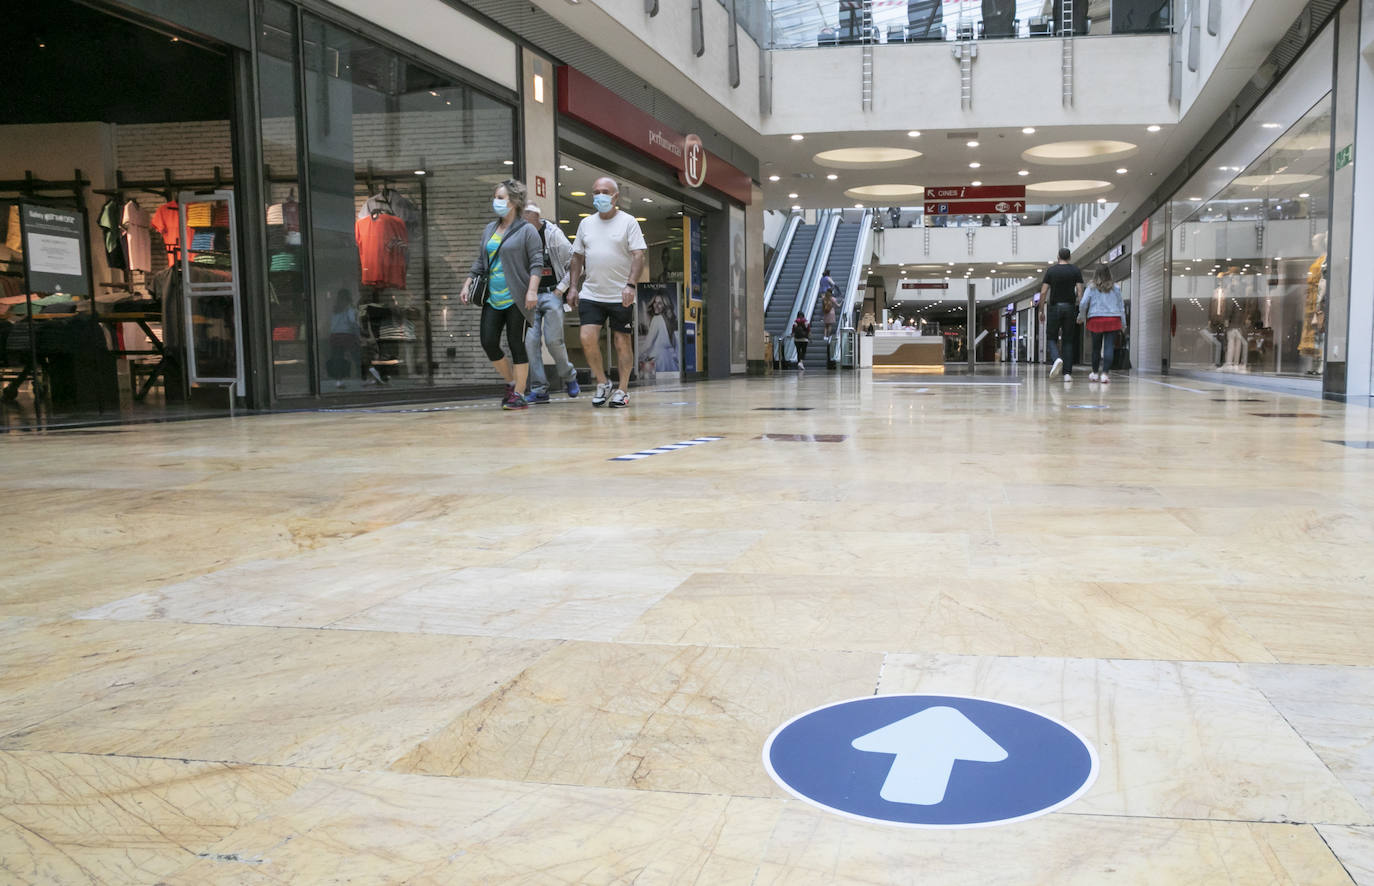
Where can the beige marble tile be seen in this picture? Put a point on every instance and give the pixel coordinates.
(856, 554)
(387, 828)
(1355, 849)
(649, 717)
(72, 818)
(51, 668)
(541, 603)
(1306, 623)
(588, 547)
(1175, 740)
(808, 847)
(1032, 617)
(1332, 708)
(300, 698)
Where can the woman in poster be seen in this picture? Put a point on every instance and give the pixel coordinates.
(659, 353)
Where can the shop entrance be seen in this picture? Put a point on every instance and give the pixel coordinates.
(125, 125)
(669, 331)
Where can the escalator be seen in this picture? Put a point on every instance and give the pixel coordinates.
(841, 262)
(777, 316)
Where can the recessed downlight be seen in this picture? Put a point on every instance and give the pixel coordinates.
(577, 193)
(797, 136)
(973, 144)
(831, 177)
(1023, 172)
(975, 184)
(1122, 171)
(915, 133)
(1153, 128)
(791, 196)
(775, 178)
(975, 165)
(1029, 130)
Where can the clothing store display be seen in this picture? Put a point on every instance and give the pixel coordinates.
(274, 215)
(284, 261)
(219, 214)
(203, 241)
(167, 223)
(12, 233)
(198, 215)
(110, 218)
(394, 203)
(383, 246)
(291, 214)
(138, 244)
(1313, 310)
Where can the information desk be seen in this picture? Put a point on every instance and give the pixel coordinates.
(908, 351)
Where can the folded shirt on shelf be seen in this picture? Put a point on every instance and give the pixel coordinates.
(198, 215)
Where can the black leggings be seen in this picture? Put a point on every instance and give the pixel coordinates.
(493, 320)
(802, 345)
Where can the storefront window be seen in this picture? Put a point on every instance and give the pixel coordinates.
(402, 164)
(1250, 262)
(278, 97)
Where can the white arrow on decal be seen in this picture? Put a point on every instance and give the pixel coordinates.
(926, 745)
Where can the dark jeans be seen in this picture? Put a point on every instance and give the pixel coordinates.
(1062, 321)
(1104, 349)
(513, 322)
(801, 349)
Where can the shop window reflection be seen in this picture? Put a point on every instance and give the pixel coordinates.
(1250, 263)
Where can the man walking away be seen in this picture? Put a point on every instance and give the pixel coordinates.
(607, 258)
(546, 322)
(1059, 294)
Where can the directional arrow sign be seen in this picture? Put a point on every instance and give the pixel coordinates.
(930, 761)
(926, 746)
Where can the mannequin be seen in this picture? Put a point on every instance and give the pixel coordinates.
(1314, 307)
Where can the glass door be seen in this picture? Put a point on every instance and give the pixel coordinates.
(211, 289)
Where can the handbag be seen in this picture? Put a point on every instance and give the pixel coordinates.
(481, 281)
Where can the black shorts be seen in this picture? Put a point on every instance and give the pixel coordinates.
(595, 313)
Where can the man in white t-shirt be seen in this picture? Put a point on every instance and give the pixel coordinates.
(607, 258)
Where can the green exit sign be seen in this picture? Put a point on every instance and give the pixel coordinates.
(1344, 157)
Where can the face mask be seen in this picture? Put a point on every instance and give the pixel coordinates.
(603, 202)
(499, 207)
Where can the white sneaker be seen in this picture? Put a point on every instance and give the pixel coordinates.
(1092, 376)
(619, 399)
(1057, 368)
(1105, 378)
(603, 393)
(1067, 378)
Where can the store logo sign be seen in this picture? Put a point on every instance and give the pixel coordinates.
(693, 161)
(1344, 157)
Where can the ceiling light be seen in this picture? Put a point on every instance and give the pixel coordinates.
(1101, 199)
(915, 133)
(791, 196)
(1270, 125)
(1029, 130)
(973, 144)
(975, 183)
(1304, 196)
(564, 221)
(1195, 199)
(420, 172)
(831, 177)
(774, 178)
(796, 207)
(975, 165)
(1121, 171)
(566, 168)
(577, 193)
(1023, 172)
(583, 214)
(507, 162)
(797, 136)
(858, 206)
(433, 93)
(640, 218)
(1152, 128)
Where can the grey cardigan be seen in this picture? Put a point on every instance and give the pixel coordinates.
(1096, 303)
(521, 255)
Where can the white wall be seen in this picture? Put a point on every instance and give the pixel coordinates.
(1121, 80)
(1248, 30)
(1034, 243)
(442, 29)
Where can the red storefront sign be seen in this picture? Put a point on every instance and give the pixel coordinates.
(583, 99)
(975, 207)
(981, 192)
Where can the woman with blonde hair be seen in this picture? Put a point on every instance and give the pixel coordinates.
(504, 279)
(1105, 313)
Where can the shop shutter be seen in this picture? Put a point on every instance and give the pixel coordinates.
(1148, 315)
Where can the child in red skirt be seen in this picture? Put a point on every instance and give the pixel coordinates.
(1105, 314)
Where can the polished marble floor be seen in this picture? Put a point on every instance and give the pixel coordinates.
(464, 646)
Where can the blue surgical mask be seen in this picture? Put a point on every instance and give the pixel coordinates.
(499, 207)
(603, 202)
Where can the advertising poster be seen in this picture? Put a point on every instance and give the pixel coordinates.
(659, 340)
(739, 309)
(692, 339)
(55, 250)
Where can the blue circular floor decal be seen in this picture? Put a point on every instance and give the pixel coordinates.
(930, 761)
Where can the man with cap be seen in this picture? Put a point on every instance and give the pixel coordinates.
(547, 311)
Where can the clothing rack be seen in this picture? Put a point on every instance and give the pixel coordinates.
(31, 186)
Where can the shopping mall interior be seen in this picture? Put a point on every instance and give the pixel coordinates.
(952, 462)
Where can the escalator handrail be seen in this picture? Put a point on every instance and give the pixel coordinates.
(811, 277)
(780, 258)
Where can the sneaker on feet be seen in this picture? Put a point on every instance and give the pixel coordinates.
(1105, 379)
(1057, 368)
(537, 397)
(619, 399)
(1067, 378)
(1092, 376)
(513, 400)
(573, 389)
(603, 393)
